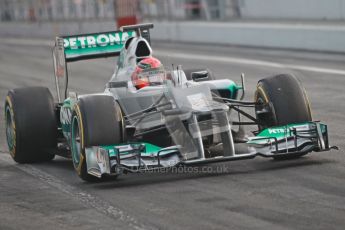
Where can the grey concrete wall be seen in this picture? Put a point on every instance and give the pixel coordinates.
(53, 29)
(293, 9)
(288, 36)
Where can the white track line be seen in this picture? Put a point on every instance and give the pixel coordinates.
(242, 61)
(74, 192)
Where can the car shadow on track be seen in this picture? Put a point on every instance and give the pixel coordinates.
(257, 167)
(57, 162)
(244, 168)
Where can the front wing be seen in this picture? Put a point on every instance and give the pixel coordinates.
(286, 140)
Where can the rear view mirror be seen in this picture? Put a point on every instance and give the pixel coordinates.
(200, 75)
(117, 84)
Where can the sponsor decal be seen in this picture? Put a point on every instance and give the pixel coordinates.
(286, 129)
(276, 131)
(153, 76)
(96, 40)
(198, 101)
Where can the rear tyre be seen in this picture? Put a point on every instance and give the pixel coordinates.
(287, 101)
(189, 74)
(96, 120)
(31, 125)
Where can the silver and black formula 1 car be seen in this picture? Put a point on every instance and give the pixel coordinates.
(179, 118)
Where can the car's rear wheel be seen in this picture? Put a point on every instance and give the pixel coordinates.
(286, 101)
(96, 120)
(31, 125)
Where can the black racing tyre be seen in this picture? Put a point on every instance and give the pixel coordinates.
(96, 120)
(287, 100)
(31, 125)
(189, 73)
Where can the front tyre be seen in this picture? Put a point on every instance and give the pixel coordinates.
(30, 124)
(287, 99)
(286, 102)
(96, 121)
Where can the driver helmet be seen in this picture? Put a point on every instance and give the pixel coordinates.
(149, 63)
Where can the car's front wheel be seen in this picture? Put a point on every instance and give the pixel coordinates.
(96, 121)
(286, 101)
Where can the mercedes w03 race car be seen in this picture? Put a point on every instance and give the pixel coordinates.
(150, 117)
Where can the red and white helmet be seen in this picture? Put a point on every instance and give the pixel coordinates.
(149, 63)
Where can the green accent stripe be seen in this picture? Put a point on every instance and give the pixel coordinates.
(150, 149)
(232, 87)
(282, 132)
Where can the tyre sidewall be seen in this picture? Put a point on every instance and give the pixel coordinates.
(80, 115)
(288, 100)
(34, 124)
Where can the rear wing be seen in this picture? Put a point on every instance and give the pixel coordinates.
(90, 46)
(99, 45)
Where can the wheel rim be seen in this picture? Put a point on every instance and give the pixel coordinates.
(75, 142)
(271, 119)
(261, 101)
(10, 130)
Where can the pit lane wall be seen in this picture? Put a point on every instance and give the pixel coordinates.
(287, 35)
(293, 9)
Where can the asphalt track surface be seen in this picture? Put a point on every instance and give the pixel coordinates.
(306, 193)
